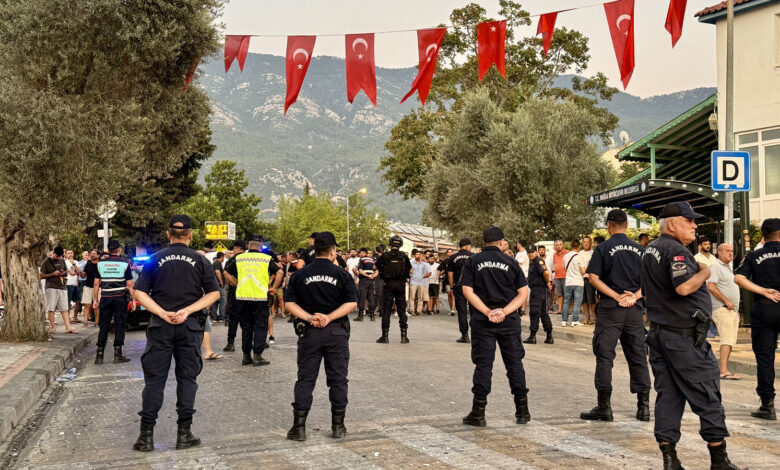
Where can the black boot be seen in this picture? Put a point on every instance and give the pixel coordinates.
(246, 360)
(549, 339)
(404, 338)
(602, 412)
(118, 357)
(719, 459)
(230, 346)
(298, 431)
(259, 361)
(371, 315)
(184, 437)
(384, 339)
(477, 415)
(359, 316)
(337, 423)
(766, 410)
(643, 406)
(521, 410)
(99, 355)
(464, 338)
(671, 462)
(531, 339)
(145, 441)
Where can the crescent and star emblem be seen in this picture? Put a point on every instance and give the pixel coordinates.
(359, 41)
(620, 19)
(305, 53)
(431, 47)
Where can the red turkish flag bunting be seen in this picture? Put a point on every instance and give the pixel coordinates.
(428, 46)
(191, 74)
(235, 47)
(491, 36)
(620, 17)
(674, 19)
(361, 70)
(299, 52)
(546, 28)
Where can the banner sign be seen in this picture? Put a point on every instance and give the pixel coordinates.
(220, 231)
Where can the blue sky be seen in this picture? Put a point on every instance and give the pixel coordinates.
(659, 68)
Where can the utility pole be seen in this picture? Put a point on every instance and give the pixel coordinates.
(728, 209)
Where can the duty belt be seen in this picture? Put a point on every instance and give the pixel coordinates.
(688, 332)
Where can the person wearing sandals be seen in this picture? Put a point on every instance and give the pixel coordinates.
(725, 306)
(54, 272)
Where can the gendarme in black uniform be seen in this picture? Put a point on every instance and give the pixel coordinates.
(683, 371)
(366, 267)
(497, 280)
(455, 266)
(762, 267)
(321, 287)
(175, 278)
(307, 256)
(538, 285)
(617, 262)
(114, 279)
(394, 268)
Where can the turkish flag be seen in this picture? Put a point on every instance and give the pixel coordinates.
(235, 47)
(361, 70)
(546, 28)
(299, 52)
(428, 46)
(620, 17)
(491, 36)
(191, 74)
(674, 19)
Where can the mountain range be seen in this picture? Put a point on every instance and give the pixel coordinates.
(331, 145)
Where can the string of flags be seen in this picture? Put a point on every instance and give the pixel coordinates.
(491, 41)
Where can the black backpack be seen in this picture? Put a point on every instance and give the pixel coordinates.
(394, 265)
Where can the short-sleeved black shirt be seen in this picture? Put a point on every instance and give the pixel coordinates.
(175, 278)
(665, 265)
(91, 272)
(763, 266)
(367, 265)
(536, 270)
(494, 276)
(618, 262)
(309, 255)
(456, 262)
(321, 287)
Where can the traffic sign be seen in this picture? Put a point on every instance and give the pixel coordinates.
(730, 171)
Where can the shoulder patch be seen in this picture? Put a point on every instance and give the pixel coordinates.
(541, 263)
(679, 269)
(679, 258)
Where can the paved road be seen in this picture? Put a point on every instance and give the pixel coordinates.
(406, 403)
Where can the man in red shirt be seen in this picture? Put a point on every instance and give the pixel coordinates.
(559, 278)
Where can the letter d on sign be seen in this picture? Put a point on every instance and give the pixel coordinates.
(731, 172)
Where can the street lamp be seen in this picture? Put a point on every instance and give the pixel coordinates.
(361, 191)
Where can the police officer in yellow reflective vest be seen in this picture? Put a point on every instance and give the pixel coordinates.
(252, 274)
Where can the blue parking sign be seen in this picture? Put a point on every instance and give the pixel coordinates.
(730, 171)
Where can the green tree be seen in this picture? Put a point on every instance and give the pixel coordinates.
(529, 75)
(91, 100)
(529, 170)
(227, 186)
(200, 208)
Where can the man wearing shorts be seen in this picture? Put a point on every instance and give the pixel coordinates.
(419, 282)
(54, 272)
(725, 306)
(433, 286)
(559, 272)
(88, 295)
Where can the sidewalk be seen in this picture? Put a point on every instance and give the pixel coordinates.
(741, 361)
(27, 369)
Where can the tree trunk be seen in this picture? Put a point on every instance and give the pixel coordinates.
(20, 254)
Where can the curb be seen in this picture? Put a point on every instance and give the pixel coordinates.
(22, 392)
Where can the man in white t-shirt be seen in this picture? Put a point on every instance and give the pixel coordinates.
(704, 256)
(574, 286)
(522, 257)
(72, 281)
(433, 286)
(589, 292)
(352, 263)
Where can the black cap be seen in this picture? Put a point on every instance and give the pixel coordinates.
(313, 235)
(530, 249)
(180, 221)
(239, 244)
(617, 215)
(114, 245)
(464, 242)
(679, 209)
(492, 234)
(770, 226)
(324, 239)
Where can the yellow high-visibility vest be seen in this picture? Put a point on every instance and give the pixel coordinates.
(253, 276)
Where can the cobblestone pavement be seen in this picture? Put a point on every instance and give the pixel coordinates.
(406, 405)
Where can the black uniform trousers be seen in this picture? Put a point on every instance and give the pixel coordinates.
(253, 316)
(112, 308)
(684, 373)
(366, 294)
(164, 342)
(484, 336)
(379, 285)
(331, 344)
(394, 291)
(462, 306)
(615, 323)
(231, 314)
(765, 326)
(538, 306)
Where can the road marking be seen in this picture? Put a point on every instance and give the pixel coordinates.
(452, 450)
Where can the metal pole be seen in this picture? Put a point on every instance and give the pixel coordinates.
(348, 223)
(728, 209)
(105, 228)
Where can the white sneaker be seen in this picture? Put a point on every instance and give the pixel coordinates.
(271, 340)
(563, 323)
(576, 323)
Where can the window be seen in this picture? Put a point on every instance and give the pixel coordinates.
(751, 138)
(772, 169)
(753, 151)
(764, 149)
(777, 40)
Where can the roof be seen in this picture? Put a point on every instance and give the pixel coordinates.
(420, 235)
(717, 12)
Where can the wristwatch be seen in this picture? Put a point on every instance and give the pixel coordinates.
(310, 318)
